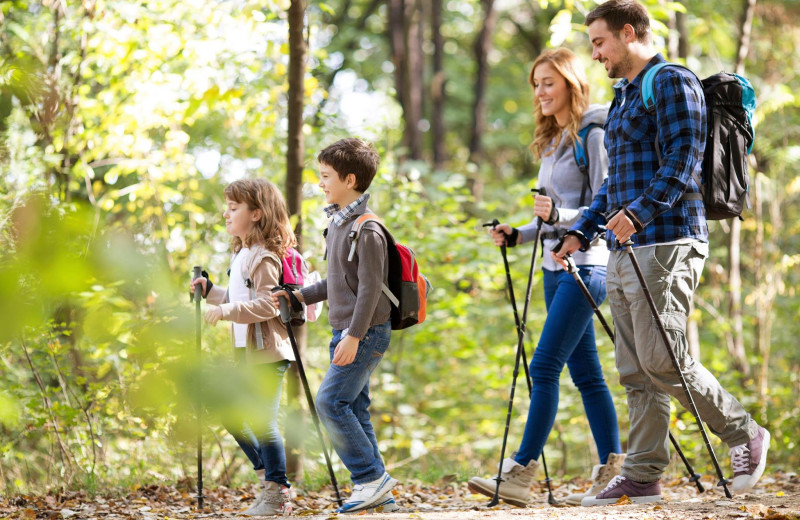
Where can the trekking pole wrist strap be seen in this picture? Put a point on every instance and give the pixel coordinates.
(511, 238)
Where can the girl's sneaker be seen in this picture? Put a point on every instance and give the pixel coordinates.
(366, 495)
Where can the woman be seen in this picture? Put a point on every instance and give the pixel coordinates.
(561, 107)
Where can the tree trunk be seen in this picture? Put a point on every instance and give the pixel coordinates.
(405, 21)
(483, 44)
(414, 85)
(437, 85)
(294, 182)
(734, 249)
(672, 33)
(683, 34)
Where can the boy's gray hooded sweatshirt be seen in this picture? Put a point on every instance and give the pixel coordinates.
(560, 176)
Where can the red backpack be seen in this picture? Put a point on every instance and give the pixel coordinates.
(407, 288)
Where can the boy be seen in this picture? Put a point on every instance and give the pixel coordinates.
(670, 242)
(359, 314)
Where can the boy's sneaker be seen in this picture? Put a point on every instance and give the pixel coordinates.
(748, 461)
(601, 476)
(637, 492)
(366, 495)
(274, 500)
(385, 505)
(515, 487)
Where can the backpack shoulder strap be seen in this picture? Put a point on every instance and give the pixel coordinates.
(582, 158)
(646, 89)
(355, 232)
(248, 282)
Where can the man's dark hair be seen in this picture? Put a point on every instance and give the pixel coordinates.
(617, 13)
(354, 156)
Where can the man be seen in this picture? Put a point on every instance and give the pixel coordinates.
(644, 198)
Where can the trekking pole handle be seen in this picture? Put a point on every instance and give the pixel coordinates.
(493, 224)
(571, 267)
(284, 308)
(198, 289)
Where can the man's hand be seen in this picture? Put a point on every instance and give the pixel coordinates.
(570, 245)
(345, 351)
(213, 314)
(622, 226)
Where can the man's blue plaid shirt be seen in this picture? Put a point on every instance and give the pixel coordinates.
(636, 182)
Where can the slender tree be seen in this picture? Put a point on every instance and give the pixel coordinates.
(437, 85)
(734, 247)
(295, 152)
(482, 46)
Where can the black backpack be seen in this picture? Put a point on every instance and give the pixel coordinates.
(730, 103)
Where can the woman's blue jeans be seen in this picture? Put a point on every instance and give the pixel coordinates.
(568, 338)
(343, 405)
(264, 446)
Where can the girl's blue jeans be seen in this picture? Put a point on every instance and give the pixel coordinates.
(264, 446)
(568, 338)
(343, 405)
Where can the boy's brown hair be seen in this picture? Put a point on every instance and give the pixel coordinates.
(354, 156)
(273, 229)
(617, 13)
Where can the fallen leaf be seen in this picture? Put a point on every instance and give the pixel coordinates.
(28, 514)
(623, 501)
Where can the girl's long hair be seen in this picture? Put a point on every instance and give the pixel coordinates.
(547, 135)
(272, 230)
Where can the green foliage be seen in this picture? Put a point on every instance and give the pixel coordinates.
(116, 147)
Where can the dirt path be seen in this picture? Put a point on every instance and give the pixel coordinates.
(776, 498)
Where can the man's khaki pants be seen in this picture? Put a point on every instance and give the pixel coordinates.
(672, 273)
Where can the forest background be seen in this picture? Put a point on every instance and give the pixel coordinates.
(121, 122)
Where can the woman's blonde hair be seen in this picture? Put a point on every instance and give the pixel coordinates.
(272, 230)
(547, 135)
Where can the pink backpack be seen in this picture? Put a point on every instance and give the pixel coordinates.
(295, 275)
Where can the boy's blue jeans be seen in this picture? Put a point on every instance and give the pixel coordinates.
(343, 403)
(264, 447)
(568, 337)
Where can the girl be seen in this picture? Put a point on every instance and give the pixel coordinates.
(257, 219)
(561, 107)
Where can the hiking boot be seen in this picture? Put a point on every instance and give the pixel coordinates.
(367, 495)
(274, 500)
(260, 496)
(601, 476)
(637, 492)
(515, 488)
(748, 461)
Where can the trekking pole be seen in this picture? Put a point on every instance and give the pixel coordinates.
(573, 270)
(287, 320)
(521, 326)
(198, 330)
(693, 408)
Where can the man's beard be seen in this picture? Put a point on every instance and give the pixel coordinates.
(621, 69)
